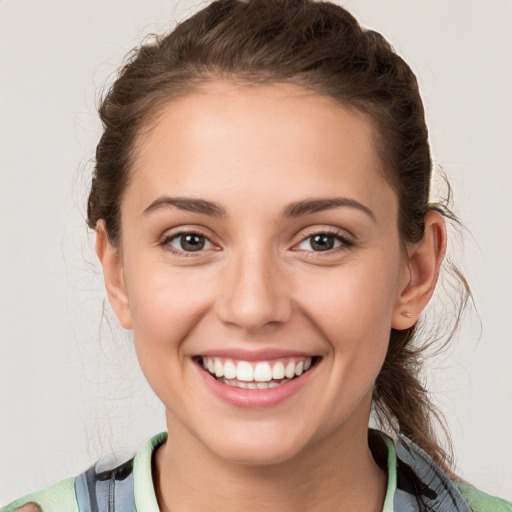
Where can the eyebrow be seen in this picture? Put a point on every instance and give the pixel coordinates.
(304, 207)
(188, 204)
(309, 206)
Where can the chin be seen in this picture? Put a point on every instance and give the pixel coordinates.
(257, 447)
(251, 455)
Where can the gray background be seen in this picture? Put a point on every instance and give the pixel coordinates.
(70, 388)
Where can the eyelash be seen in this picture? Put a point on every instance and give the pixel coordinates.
(168, 239)
(345, 243)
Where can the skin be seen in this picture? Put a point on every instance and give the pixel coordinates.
(258, 284)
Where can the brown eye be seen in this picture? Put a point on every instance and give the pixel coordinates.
(192, 242)
(189, 242)
(321, 242)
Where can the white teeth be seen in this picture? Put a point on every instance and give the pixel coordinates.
(229, 370)
(244, 371)
(253, 385)
(290, 370)
(219, 368)
(278, 371)
(262, 372)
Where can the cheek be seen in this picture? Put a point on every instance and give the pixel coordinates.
(165, 303)
(352, 305)
(166, 307)
(357, 296)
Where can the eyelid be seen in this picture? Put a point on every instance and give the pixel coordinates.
(347, 241)
(172, 234)
(178, 236)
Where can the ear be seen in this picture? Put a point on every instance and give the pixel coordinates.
(111, 261)
(424, 260)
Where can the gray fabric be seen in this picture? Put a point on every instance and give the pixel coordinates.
(110, 490)
(420, 479)
(405, 502)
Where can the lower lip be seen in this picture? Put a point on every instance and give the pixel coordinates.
(254, 398)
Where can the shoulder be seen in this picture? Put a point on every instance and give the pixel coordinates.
(92, 490)
(57, 498)
(420, 485)
(481, 502)
(107, 484)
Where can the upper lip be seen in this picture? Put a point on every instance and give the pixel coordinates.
(268, 354)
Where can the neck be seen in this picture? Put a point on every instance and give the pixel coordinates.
(338, 473)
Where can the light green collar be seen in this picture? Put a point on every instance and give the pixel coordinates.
(145, 498)
(390, 492)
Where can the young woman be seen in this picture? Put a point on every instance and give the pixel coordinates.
(262, 217)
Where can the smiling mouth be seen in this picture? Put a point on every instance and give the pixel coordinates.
(256, 374)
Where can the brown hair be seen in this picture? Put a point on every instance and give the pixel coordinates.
(317, 45)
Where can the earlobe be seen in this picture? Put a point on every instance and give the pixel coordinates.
(423, 265)
(111, 263)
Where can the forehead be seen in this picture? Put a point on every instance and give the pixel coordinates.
(254, 138)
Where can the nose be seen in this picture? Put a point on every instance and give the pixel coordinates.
(254, 293)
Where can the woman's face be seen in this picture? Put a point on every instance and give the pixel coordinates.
(259, 238)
